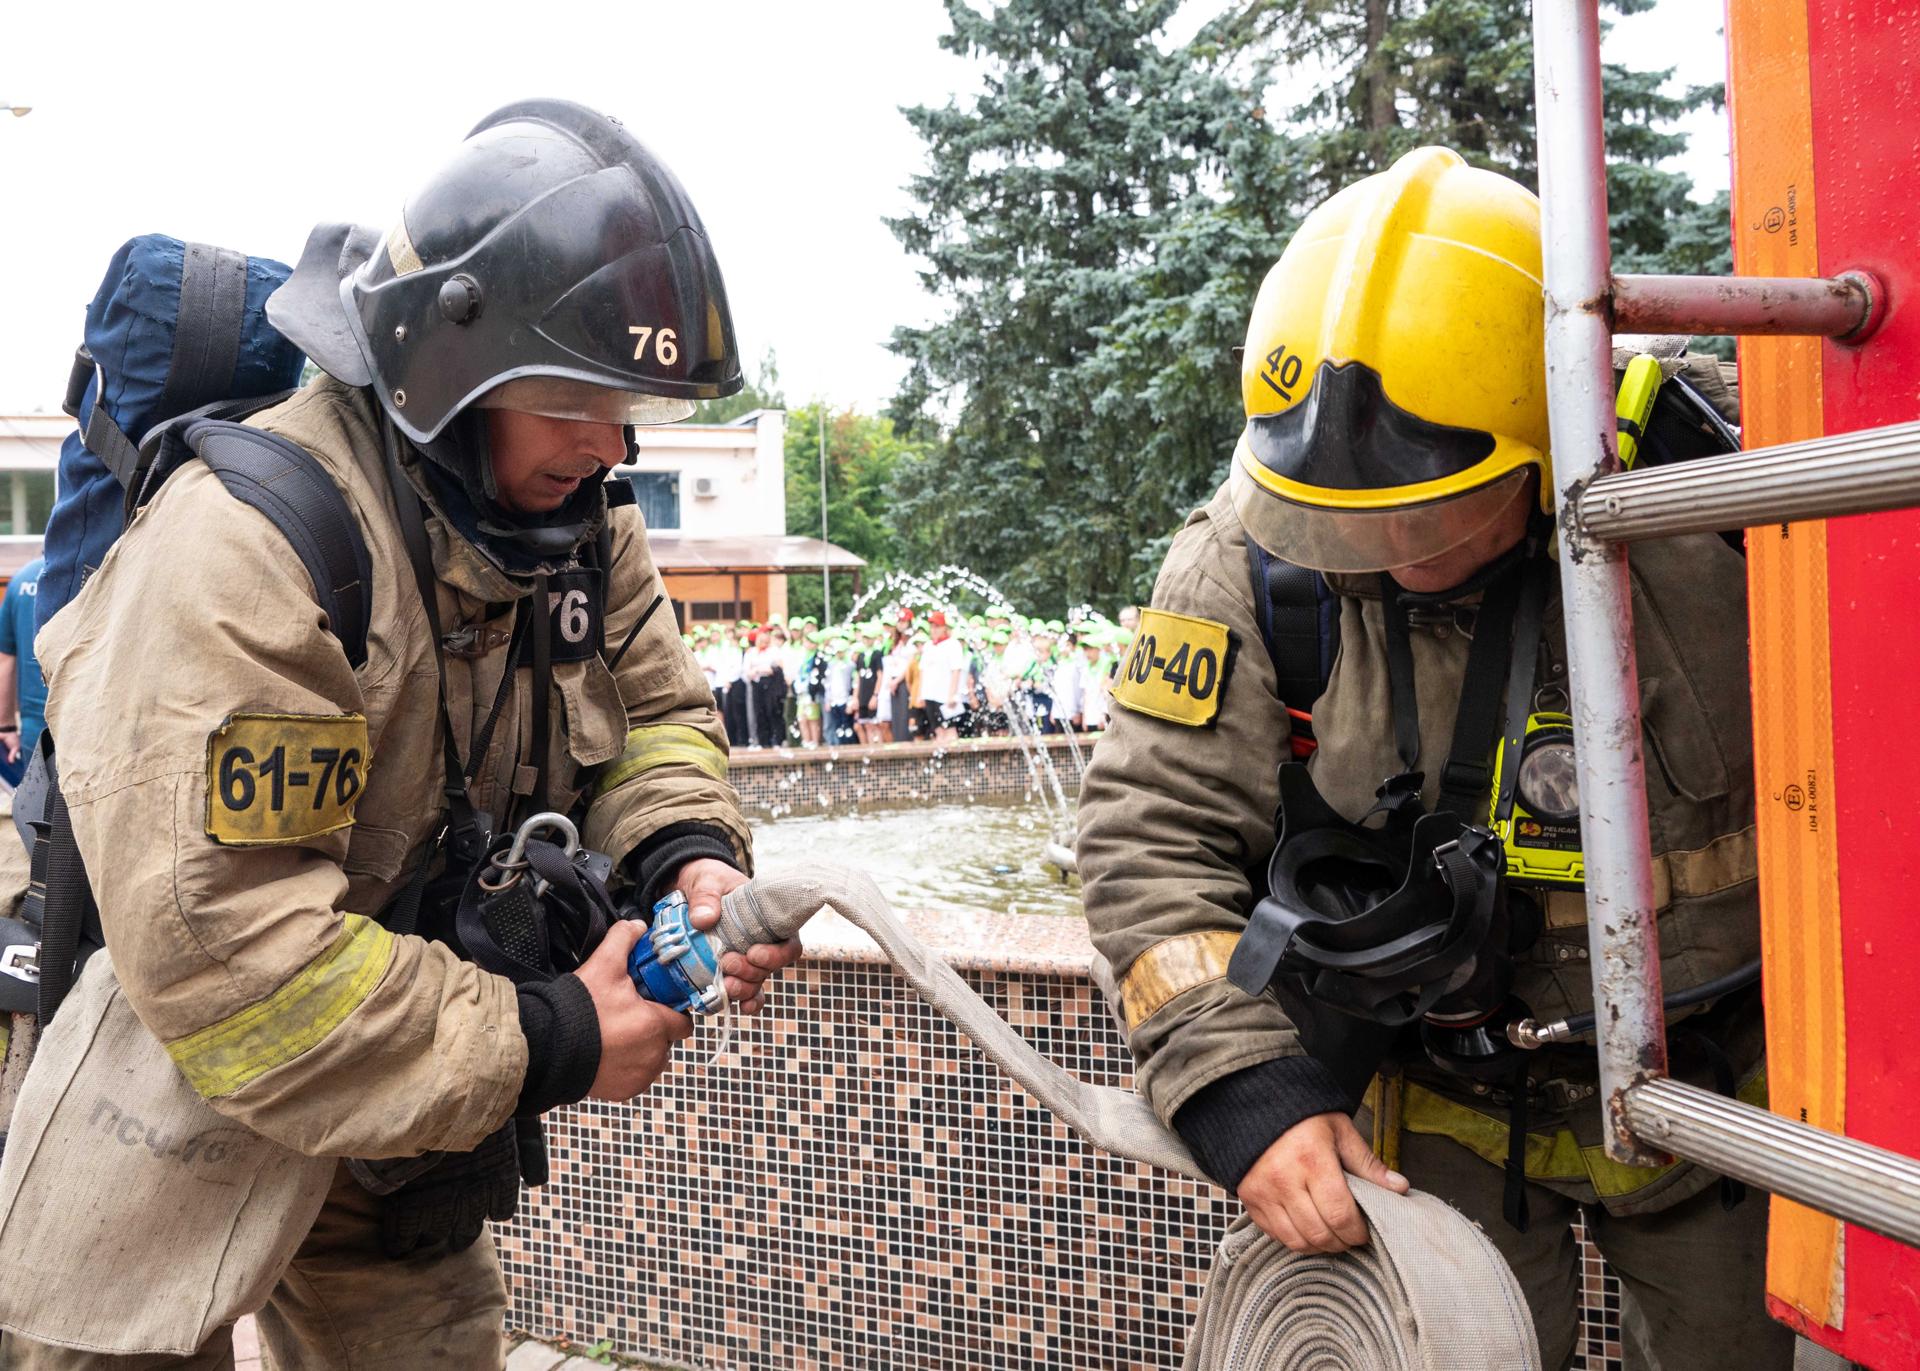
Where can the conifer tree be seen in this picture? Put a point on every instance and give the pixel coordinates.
(1095, 222)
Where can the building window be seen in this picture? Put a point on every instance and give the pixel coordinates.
(659, 495)
(26, 499)
(728, 611)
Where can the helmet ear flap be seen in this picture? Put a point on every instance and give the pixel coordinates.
(310, 310)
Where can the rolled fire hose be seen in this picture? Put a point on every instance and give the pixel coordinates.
(1428, 1292)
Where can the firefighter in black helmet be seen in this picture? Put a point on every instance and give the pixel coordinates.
(288, 1090)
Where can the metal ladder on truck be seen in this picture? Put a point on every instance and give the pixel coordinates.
(1651, 1116)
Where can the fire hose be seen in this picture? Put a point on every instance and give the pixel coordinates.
(1428, 1292)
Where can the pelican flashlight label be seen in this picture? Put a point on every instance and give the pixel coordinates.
(283, 778)
(1176, 669)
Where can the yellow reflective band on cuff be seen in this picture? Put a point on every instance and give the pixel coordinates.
(662, 745)
(1171, 968)
(222, 1057)
(1550, 1157)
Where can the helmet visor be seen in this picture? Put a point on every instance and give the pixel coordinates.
(1321, 538)
(557, 397)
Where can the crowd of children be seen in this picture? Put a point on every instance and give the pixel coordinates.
(909, 677)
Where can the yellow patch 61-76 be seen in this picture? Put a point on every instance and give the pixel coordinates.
(283, 778)
(1176, 668)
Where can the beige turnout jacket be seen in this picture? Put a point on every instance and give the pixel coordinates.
(246, 804)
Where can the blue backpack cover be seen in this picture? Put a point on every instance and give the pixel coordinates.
(174, 328)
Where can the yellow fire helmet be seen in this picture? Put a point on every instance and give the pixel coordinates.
(1395, 371)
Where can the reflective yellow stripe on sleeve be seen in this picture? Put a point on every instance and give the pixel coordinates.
(1550, 1157)
(656, 745)
(1171, 968)
(222, 1057)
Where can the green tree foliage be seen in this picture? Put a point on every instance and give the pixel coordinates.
(1097, 219)
(1383, 76)
(864, 456)
(762, 391)
(1075, 384)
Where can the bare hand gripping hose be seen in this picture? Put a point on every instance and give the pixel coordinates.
(1427, 1293)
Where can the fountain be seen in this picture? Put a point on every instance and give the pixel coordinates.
(939, 588)
(1052, 780)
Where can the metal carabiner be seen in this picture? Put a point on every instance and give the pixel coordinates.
(515, 861)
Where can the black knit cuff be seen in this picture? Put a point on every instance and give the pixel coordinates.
(1229, 1123)
(653, 865)
(563, 1044)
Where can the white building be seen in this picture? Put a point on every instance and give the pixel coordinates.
(714, 497)
(715, 500)
(29, 455)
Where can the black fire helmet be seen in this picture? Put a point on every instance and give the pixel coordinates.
(552, 266)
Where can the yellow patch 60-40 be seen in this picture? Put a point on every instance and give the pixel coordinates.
(283, 778)
(1176, 668)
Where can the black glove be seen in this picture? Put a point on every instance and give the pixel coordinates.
(448, 1206)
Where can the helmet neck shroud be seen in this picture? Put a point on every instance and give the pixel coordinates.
(458, 469)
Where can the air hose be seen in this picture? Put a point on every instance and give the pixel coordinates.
(1530, 1034)
(1428, 1292)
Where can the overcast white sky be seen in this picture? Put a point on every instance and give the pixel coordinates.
(244, 124)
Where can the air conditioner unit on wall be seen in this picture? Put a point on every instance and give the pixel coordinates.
(705, 487)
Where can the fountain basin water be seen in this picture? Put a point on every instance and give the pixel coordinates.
(953, 857)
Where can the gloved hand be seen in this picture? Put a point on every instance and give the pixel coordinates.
(448, 1206)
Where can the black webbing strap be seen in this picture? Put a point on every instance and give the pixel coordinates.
(105, 440)
(516, 649)
(1732, 1191)
(164, 448)
(206, 332)
(634, 632)
(542, 687)
(1513, 1196)
(102, 437)
(1406, 703)
(402, 914)
(283, 481)
(65, 913)
(1466, 782)
(1528, 623)
(1466, 779)
(1298, 622)
(603, 563)
(466, 835)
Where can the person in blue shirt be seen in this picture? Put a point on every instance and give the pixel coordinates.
(21, 684)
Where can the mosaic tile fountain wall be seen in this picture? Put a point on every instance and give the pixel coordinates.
(857, 1186)
(780, 781)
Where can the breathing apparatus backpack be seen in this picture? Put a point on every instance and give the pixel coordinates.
(177, 349)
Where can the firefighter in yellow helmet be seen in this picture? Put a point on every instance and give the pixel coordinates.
(1331, 843)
